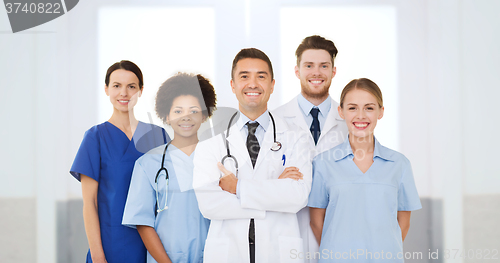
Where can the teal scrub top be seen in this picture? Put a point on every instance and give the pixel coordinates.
(181, 227)
(361, 209)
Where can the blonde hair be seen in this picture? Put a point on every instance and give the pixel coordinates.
(362, 84)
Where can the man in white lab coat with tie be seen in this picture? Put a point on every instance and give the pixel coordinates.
(253, 208)
(314, 111)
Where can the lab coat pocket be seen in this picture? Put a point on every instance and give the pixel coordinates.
(291, 249)
(216, 250)
(177, 257)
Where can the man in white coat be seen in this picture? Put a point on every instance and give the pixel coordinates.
(253, 209)
(315, 112)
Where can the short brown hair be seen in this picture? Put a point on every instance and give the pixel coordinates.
(316, 42)
(185, 84)
(363, 84)
(251, 53)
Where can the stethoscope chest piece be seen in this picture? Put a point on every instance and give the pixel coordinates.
(276, 146)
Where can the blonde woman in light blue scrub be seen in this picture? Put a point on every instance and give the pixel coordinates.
(362, 193)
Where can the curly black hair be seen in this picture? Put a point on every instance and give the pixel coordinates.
(185, 84)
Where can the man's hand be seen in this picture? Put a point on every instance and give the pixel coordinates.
(228, 182)
(292, 173)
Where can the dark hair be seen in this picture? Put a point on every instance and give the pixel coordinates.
(363, 84)
(185, 84)
(316, 42)
(251, 53)
(126, 65)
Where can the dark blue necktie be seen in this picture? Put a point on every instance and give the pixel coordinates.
(315, 130)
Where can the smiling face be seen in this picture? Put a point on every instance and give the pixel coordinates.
(361, 112)
(315, 72)
(185, 116)
(253, 85)
(123, 90)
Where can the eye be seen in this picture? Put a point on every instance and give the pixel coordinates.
(132, 87)
(262, 77)
(194, 111)
(369, 108)
(177, 111)
(325, 66)
(308, 66)
(352, 108)
(115, 86)
(244, 76)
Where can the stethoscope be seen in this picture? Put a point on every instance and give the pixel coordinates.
(158, 209)
(276, 145)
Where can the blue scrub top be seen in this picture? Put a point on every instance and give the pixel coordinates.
(361, 209)
(108, 156)
(182, 228)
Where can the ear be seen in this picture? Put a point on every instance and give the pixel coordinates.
(232, 86)
(272, 86)
(106, 89)
(167, 120)
(341, 114)
(140, 91)
(381, 113)
(297, 72)
(334, 72)
(204, 118)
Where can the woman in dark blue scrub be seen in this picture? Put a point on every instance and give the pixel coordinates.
(104, 165)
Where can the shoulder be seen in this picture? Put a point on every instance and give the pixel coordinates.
(284, 109)
(95, 131)
(152, 155)
(394, 156)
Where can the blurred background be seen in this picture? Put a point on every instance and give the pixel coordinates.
(436, 61)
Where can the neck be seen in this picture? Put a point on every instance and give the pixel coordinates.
(185, 144)
(362, 144)
(253, 114)
(316, 101)
(123, 119)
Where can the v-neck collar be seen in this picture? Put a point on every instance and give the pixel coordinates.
(133, 135)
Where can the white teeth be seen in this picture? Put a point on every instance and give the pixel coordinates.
(185, 126)
(316, 81)
(252, 93)
(123, 101)
(361, 125)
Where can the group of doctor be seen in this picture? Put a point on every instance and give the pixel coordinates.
(306, 182)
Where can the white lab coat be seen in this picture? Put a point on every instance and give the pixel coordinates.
(333, 133)
(272, 202)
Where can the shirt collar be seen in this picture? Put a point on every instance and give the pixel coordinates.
(306, 105)
(345, 150)
(263, 120)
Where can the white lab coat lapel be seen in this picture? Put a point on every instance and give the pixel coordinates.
(331, 120)
(293, 112)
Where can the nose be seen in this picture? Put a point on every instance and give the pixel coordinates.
(360, 114)
(123, 91)
(186, 117)
(252, 83)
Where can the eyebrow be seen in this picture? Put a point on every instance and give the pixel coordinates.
(324, 62)
(357, 104)
(248, 72)
(132, 83)
(189, 107)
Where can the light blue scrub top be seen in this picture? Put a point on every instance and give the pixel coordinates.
(361, 209)
(182, 228)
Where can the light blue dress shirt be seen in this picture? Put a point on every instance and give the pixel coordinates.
(263, 121)
(361, 209)
(306, 106)
(181, 227)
